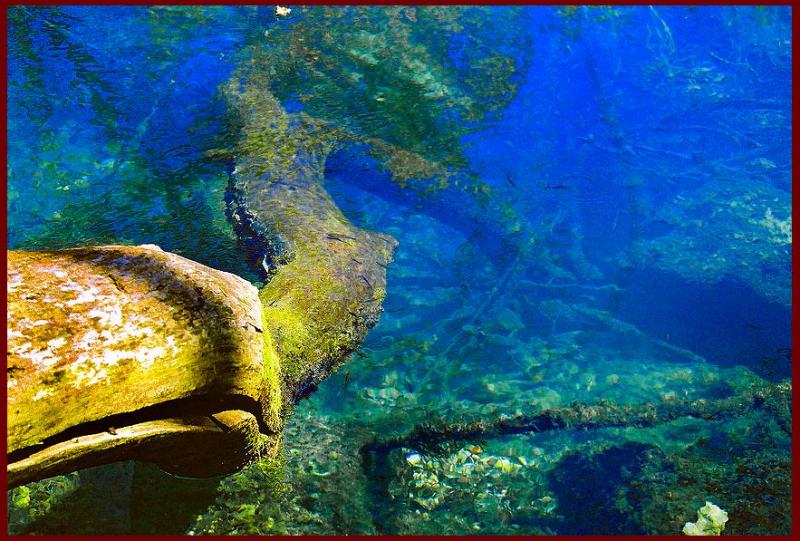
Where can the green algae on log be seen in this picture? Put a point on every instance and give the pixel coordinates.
(107, 337)
(134, 353)
(327, 278)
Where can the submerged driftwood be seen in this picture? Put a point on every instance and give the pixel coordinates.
(433, 436)
(129, 352)
(120, 352)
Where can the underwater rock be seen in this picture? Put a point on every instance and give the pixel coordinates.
(603, 476)
(752, 481)
(738, 229)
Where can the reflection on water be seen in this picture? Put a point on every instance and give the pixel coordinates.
(592, 204)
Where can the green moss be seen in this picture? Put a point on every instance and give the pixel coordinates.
(153, 321)
(272, 398)
(407, 98)
(306, 310)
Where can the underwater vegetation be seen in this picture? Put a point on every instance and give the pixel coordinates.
(591, 285)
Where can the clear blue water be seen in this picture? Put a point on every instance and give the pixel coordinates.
(628, 239)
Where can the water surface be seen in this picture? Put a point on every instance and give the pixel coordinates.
(592, 205)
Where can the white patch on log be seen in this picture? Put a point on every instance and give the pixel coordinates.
(14, 281)
(41, 394)
(42, 359)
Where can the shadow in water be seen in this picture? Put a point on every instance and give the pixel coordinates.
(587, 487)
(127, 498)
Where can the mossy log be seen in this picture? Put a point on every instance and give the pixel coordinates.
(130, 352)
(123, 352)
(326, 277)
(114, 351)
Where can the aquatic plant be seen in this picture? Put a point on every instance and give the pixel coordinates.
(34, 501)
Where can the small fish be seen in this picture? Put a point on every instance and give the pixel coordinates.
(112, 431)
(510, 180)
(340, 238)
(538, 167)
(257, 329)
(556, 186)
(755, 327)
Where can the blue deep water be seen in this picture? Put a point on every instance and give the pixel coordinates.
(604, 216)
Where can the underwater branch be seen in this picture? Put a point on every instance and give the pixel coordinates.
(436, 435)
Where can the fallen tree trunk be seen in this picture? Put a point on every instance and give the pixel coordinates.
(129, 352)
(106, 344)
(327, 278)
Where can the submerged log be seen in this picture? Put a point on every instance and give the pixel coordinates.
(129, 352)
(115, 351)
(327, 278)
(434, 436)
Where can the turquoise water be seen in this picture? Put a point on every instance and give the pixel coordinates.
(593, 205)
